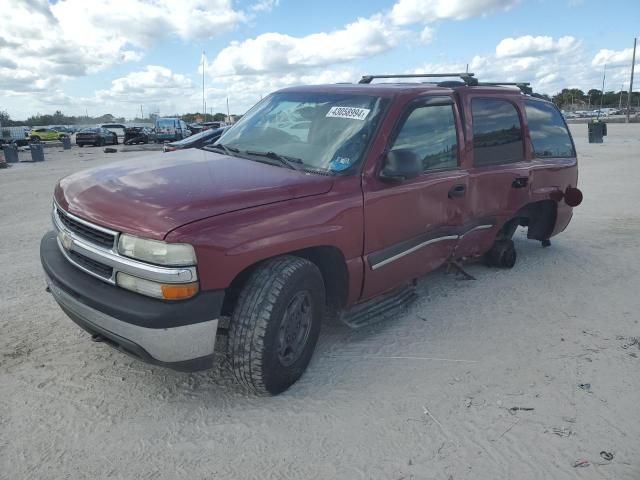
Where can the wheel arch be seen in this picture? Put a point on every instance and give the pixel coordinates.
(539, 218)
(329, 260)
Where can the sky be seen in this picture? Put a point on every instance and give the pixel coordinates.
(127, 56)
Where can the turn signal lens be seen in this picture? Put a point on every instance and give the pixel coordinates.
(179, 292)
(173, 291)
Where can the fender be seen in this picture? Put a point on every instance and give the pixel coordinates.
(228, 244)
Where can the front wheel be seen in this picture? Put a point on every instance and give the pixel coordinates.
(275, 324)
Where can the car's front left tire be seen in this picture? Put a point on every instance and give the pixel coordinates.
(275, 324)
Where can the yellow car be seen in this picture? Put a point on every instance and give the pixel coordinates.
(39, 134)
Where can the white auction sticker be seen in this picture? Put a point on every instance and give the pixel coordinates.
(348, 112)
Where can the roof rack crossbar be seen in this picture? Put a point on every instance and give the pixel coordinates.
(525, 87)
(467, 78)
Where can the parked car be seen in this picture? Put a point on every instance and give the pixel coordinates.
(171, 129)
(212, 125)
(199, 140)
(116, 128)
(135, 135)
(98, 137)
(263, 234)
(195, 128)
(41, 134)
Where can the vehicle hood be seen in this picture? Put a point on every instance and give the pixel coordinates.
(154, 195)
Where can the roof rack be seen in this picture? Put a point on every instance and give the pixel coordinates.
(467, 78)
(525, 87)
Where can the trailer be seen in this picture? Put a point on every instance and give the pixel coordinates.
(19, 135)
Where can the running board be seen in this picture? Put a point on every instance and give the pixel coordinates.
(384, 307)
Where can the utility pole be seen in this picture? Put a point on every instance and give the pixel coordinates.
(204, 105)
(141, 113)
(604, 74)
(633, 65)
(228, 114)
(620, 101)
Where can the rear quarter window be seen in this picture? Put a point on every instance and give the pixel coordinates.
(548, 131)
(497, 132)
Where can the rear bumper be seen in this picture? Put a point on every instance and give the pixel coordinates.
(177, 335)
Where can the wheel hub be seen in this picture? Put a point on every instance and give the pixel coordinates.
(294, 328)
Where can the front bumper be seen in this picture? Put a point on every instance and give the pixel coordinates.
(180, 335)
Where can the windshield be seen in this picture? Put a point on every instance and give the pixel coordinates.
(165, 123)
(325, 131)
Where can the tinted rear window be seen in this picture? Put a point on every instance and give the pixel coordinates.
(548, 131)
(166, 123)
(497, 133)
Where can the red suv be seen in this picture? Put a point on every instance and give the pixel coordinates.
(322, 200)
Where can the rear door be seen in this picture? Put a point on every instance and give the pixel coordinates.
(411, 227)
(499, 174)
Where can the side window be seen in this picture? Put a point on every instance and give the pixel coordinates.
(430, 132)
(497, 133)
(548, 131)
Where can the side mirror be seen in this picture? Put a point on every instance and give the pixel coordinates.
(400, 164)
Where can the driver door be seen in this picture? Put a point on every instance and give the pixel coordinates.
(412, 226)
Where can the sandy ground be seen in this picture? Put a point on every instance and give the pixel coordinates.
(425, 396)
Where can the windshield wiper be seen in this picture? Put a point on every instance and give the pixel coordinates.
(224, 148)
(286, 160)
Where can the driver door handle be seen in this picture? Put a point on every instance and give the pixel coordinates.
(457, 191)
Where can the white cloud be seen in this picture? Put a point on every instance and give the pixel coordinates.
(363, 38)
(153, 84)
(264, 5)
(407, 12)
(426, 36)
(43, 44)
(272, 52)
(528, 45)
(613, 57)
(549, 66)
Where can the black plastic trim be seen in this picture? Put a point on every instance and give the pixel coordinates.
(122, 304)
(398, 248)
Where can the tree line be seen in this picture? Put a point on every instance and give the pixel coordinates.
(592, 99)
(58, 118)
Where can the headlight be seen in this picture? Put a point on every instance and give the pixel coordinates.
(174, 291)
(153, 251)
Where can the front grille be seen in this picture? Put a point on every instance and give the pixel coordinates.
(91, 234)
(91, 265)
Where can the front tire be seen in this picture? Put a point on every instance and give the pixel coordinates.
(275, 324)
